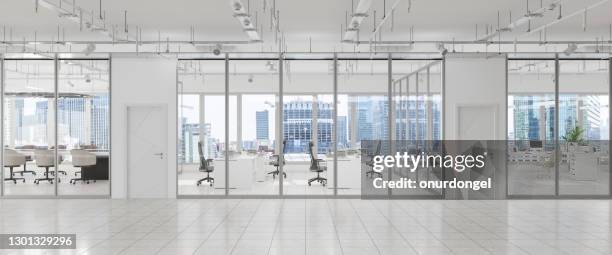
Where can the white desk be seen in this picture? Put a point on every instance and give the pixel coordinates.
(243, 171)
(349, 173)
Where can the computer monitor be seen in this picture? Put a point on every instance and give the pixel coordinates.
(535, 144)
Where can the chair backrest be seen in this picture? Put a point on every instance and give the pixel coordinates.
(203, 161)
(82, 158)
(379, 144)
(13, 158)
(313, 158)
(44, 158)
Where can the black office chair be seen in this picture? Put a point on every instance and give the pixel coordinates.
(206, 167)
(276, 162)
(316, 165)
(370, 162)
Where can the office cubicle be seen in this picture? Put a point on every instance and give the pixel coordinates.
(54, 106)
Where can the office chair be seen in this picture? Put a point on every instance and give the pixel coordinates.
(206, 167)
(59, 161)
(370, 162)
(316, 165)
(276, 161)
(80, 159)
(13, 159)
(44, 158)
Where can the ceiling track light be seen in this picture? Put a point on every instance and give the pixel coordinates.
(571, 48)
(441, 48)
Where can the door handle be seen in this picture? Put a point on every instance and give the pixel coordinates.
(161, 155)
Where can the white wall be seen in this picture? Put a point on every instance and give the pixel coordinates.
(145, 79)
(479, 81)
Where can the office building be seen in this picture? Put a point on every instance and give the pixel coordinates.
(298, 126)
(262, 125)
(267, 126)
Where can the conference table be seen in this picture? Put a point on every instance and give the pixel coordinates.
(99, 171)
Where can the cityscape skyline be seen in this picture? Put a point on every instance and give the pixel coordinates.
(81, 121)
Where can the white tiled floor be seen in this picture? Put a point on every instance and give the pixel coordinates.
(318, 226)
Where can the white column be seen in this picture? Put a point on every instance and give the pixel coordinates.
(353, 121)
(542, 123)
(315, 127)
(51, 124)
(202, 124)
(87, 123)
(239, 122)
(278, 140)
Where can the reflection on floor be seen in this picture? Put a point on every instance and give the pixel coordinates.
(536, 179)
(317, 226)
(100, 187)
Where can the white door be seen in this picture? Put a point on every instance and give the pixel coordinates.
(477, 122)
(147, 152)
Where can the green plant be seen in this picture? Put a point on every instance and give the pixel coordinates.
(574, 135)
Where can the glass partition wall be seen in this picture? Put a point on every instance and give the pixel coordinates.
(308, 126)
(416, 98)
(276, 111)
(558, 127)
(56, 120)
(584, 122)
(201, 127)
(254, 167)
(531, 127)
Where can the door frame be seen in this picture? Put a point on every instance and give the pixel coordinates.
(127, 107)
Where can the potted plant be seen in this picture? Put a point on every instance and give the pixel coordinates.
(573, 137)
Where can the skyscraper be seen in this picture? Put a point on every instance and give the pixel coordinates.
(342, 132)
(100, 121)
(261, 125)
(297, 126)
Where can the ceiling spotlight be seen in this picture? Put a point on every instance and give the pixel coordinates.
(246, 22)
(237, 6)
(87, 78)
(441, 48)
(571, 48)
(250, 80)
(217, 49)
(89, 49)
